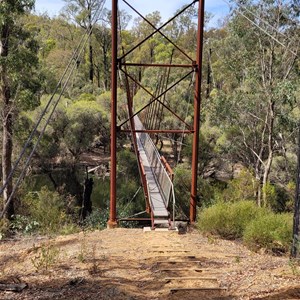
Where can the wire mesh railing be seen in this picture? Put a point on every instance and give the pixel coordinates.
(161, 176)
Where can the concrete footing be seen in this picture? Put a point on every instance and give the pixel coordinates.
(112, 225)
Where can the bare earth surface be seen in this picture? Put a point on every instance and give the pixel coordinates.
(132, 264)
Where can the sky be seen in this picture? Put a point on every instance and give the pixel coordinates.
(167, 8)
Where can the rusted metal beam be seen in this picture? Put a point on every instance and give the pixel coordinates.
(112, 222)
(149, 219)
(134, 141)
(145, 186)
(166, 83)
(158, 65)
(134, 219)
(158, 131)
(168, 167)
(197, 106)
(157, 98)
(157, 30)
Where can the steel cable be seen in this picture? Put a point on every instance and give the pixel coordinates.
(263, 30)
(78, 51)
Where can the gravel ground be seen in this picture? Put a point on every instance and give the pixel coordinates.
(132, 264)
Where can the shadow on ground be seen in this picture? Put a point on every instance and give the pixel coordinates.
(293, 293)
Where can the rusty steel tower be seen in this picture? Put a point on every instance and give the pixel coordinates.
(120, 65)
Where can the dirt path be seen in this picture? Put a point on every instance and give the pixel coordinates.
(132, 264)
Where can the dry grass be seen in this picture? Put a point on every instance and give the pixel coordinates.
(131, 264)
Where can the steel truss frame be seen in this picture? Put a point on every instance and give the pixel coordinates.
(119, 64)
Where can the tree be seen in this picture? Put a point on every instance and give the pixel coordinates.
(102, 69)
(85, 13)
(256, 81)
(18, 83)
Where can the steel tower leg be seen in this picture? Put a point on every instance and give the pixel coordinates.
(197, 103)
(113, 146)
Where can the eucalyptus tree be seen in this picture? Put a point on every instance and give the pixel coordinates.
(256, 76)
(18, 81)
(102, 35)
(85, 13)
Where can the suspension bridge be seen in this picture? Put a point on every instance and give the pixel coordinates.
(156, 175)
(155, 172)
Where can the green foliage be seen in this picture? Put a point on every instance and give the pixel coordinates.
(4, 228)
(243, 187)
(9, 9)
(182, 185)
(127, 166)
(47, 209)
(74, 128)
(21, 62)
(259, 227)
(228, 220)
(101, 192)
(85, 121)
(47, 256)
(97, 219)
(128, 178)
(272, 232)
(24, 224)
(271, 195)
(86, 97)
(206, 151)
(126, 210)
(208, 190)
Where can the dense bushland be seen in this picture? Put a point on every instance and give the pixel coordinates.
(259, 228)
(250, 110)
(272, 232)
(229, 220)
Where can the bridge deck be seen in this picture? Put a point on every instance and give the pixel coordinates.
(156, 199)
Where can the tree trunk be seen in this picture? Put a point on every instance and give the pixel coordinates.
(208, 74)
(91, 57)
(7, 145)
(98, 77)
(270, 153)
(106, 66)
(258, 196)
(296, 219)
(90, 44)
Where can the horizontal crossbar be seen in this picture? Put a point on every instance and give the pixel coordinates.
(158, 65)
(157, 131)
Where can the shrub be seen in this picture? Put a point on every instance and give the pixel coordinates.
(127, 166)
(244, 187)
(47, 209)
(182, 185)
(4, 228)
(97, 219)
(46, 258)
(24, 224)
(228, 220)
(271, 195)
(272, 232)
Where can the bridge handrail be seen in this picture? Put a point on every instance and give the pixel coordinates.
(163, 180)
(162, 177)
